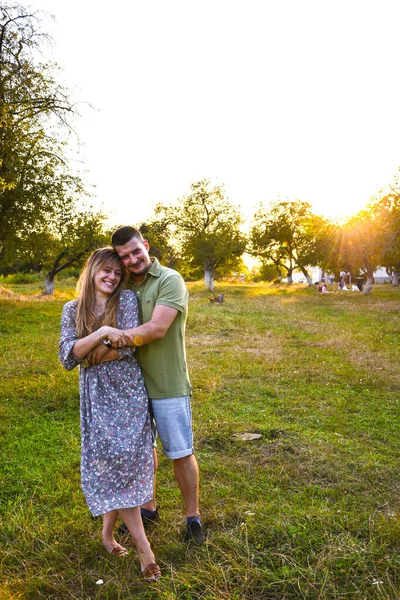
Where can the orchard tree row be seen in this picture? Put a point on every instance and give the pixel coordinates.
(201, 235)
(47, 223)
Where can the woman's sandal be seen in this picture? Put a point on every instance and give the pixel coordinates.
(116, 550)
(151, 573)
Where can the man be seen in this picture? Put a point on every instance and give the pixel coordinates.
(160, 339)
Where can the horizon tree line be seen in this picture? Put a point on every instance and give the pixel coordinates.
(47, 223)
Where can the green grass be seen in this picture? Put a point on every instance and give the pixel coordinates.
(310, 510)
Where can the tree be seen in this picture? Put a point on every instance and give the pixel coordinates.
(34, 110)
(286, 233)
(157, 234)
(84, 232)
(267, 272)
(360, 245)
(64, 240)
(391, 226)
(387, 211)
(371, 238)
(206, 227)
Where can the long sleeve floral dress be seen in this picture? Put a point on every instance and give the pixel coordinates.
(116, 451)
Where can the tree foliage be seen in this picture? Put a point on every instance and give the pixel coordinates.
(75, 232)
(156, 232)
(34, 110)
(361, 246)
(206, 227)
(391, 216)
(387, 214)
(287, 234)
(368, 240)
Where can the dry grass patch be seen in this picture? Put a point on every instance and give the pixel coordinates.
(6, 294)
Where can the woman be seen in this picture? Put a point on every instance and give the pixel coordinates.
(116, 455)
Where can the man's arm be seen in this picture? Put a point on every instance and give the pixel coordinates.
(156, 328)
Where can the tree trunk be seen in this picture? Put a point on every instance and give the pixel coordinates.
(306, 275)
(49, 283)
(209, 278)
(279, 272)
(395, 278)
(368, 285)
(370, 279)
(289, 276)
(57, 267)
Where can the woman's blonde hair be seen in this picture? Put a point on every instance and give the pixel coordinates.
(86, 319)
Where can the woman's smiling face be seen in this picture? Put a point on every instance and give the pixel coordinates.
(107, 279)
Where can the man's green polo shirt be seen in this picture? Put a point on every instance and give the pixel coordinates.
(163, 362)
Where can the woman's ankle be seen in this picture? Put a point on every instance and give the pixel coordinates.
(145, 554)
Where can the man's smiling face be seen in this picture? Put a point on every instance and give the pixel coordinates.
(135, 256)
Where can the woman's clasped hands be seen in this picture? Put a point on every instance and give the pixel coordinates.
(116, 337)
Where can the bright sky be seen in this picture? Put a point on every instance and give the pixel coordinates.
(271, 98)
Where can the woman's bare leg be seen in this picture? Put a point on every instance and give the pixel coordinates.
(152, 504)
(109, 542)
(133, 521)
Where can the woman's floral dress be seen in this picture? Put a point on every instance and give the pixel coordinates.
(116, 454)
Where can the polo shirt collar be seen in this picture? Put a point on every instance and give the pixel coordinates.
(155, 268)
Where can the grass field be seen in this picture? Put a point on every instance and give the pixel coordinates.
(309, 510)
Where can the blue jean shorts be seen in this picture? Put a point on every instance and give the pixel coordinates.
(172, 420)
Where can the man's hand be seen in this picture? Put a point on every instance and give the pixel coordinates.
(119, 338)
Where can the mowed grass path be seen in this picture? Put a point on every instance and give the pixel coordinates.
(309, 510)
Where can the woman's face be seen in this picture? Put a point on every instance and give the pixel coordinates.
(107, 279)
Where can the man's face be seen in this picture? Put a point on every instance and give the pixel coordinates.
(135, 256)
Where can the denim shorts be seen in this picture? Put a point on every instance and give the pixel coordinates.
(172, 420)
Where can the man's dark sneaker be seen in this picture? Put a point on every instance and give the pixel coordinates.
(147, 516)
(123, 529)
(194, 533)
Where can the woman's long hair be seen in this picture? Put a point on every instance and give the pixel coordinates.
(86, 319)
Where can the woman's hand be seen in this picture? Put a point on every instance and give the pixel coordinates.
(84, 346)
(96, 355)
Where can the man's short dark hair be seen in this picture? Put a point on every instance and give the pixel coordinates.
(123, 235)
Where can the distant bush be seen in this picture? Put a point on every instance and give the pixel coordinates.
(21, 278)
(67, 273)
(266, 273)
(38, 278)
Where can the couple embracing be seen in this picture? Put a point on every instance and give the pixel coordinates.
(127, 334)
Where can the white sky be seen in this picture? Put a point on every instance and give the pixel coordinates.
(289, 98)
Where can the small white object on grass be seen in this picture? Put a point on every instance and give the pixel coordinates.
(247, 436)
